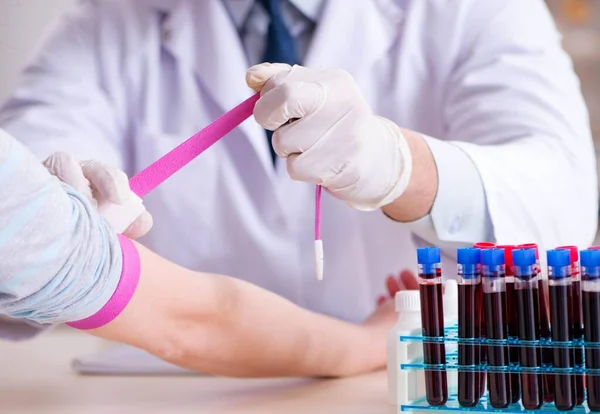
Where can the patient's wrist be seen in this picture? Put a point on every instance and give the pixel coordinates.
(374, 355)
(365, 355)
(130, 275)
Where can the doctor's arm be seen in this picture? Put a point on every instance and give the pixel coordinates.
(516, 153)
(516, 156)
(514, 107)
(63, 264)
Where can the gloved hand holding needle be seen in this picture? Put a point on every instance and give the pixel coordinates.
(335, 139)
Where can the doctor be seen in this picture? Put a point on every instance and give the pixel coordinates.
(459, 122)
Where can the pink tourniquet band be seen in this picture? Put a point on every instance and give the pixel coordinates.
(152, 176)
(130, 276)
(146, 181)
(163, 168)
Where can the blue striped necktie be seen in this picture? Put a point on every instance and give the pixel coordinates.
(280, 47)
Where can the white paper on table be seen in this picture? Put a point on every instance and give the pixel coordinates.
(126, 360)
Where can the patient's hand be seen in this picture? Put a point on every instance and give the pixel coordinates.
(383, 318)
(406, 280)
(377, 326)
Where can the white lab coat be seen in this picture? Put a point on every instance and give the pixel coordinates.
(127, 80)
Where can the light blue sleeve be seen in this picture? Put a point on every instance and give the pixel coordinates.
(60, 260)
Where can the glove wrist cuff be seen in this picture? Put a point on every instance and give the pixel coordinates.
(121, 216)
(401, 168)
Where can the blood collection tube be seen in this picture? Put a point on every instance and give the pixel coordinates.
(544, 318)
(527, 295)
(561, 316)
(432, 321)
(483, 246)
(469, 328)
(577, 315)
(513, 325)
(590, 285)
(494, 298)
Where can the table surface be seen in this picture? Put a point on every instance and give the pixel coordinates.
(35, 377)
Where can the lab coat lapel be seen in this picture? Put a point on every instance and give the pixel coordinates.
(218, 59)
(353, 37)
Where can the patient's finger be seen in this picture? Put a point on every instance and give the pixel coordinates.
(409, 279)
(392, 286)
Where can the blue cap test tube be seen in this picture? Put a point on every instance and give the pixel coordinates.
(469, 325)
(561, 316)
(528, 301)
(577, 320)
(432, 321)
(496, 320)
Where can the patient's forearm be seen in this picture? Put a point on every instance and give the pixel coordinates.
(260, 333)
(225, 326)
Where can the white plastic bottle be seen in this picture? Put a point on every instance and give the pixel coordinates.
(450, 300)
(451, 319)
(402, 385)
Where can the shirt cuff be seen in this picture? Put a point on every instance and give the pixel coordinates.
(459, 215)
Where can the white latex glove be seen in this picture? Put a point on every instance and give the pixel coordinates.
(334, 139)
(108, 188)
